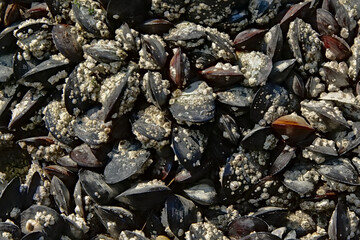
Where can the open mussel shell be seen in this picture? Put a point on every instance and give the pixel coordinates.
(145, 195)
(195, 104)
(340, 170)
(65, 42)
(10, 199)
(243, 226)
(61, 194)
(39, 218)
(95, 186)
(10, 228)
(339, 225)
(178, 214)
(120, 219)
(126, 159)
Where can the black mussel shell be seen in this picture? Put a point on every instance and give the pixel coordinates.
(10, 199)
(95, 186)
(125, 161)
(121, 219)
(179, 214)
(61, 195)
(243, 226)
(195, 104)
(145, 195)
(53, 227)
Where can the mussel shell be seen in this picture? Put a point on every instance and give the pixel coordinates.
(144, 196)
(187, 144)
(31, 102)
(67, 176)
(32, 189)
(7, 40)
(180, 213)
(249, 39)
(273, 216)
(339, 225)
(243, 226)
(192, 105)
(121, 217)
(22, 66)
(236, 96)
(103, 53)
(10, 228)
(293, 126)
(120, 167)
(95, 186)
(222, 78)
(261, 235)
(263, 100)
(156, 50)
(156, 26)
(282, 160)
(326, 22)
(53, 228)
(72, 96)
(61, 195)
(42, 72)
(133, 12)
(281, 70)
(203, 193)
(337, 46)
(340, 170)
(66, 43)
(84, 156)
(90, 127)
(85, 19)
(255, 139)
(9, 198)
